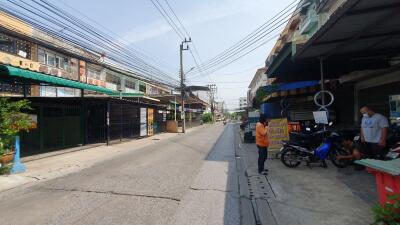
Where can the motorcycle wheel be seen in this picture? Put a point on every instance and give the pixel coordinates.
(339, 163)
(289, 157)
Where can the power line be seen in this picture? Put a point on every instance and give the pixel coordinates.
(249, 44)
(233, 73)
(95, 32)
(244, 54)
(127, 43)
(261, 29)
(177, 18)
(193, 43)
(255, 37)
(167, 18)
(223, 82)
(93, 40)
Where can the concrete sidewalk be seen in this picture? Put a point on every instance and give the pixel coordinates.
(213, 196)
(306, 195)
(47, 166)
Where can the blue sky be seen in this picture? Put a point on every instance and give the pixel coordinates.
(213, 25)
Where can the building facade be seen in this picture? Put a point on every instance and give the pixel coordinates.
(260, 79)
(243, 103)
(76, 97)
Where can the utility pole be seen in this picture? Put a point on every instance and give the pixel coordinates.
(181, 49)
(175, 106)
(213, 90)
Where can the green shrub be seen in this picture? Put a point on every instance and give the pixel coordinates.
(207, 118)
(4, 170)
(387, 214)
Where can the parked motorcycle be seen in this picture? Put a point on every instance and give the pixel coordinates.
(393, 153)
(311, 148)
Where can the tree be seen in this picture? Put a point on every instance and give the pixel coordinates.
(261, 93)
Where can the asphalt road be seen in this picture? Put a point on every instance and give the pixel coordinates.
(182, 180)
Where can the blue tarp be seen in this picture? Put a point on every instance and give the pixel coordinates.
(290, 86)
(271, 110)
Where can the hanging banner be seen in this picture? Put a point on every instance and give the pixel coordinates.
(277, 132)
(143, 121)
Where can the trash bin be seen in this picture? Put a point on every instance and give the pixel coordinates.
(387, 176)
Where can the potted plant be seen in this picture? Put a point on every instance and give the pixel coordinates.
(12, 121)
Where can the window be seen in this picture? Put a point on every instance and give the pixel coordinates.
(57, 62)
(110, 78)
(15, 46)
(142, 87)
(23, 49)
(94, 73)
(52, 59)
(7, 44)
(130, 84)
(41, 56)
(65, 63)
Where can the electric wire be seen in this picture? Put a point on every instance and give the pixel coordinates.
(95, 32)
(159, 62)
(90, 44)
(167, 18)
(253, 38)
(228, 56)
(196, 56)
(261, 29)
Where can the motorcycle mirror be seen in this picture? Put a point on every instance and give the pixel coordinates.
(308, 129)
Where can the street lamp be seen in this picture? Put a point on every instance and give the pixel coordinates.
(189, 71)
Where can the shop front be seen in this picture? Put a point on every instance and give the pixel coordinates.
(59, 126)
(363, 60)
(69, 121)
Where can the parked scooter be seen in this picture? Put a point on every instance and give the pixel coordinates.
(394, 152)
(314, 147)
(310, 150)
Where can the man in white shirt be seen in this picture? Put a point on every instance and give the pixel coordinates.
(374, 129)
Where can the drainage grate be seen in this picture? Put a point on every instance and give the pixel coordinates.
(259, 187)
(260, 193)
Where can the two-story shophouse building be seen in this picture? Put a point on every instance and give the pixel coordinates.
(77, 99)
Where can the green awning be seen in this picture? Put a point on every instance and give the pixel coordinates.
(128, 94)
(49, 79)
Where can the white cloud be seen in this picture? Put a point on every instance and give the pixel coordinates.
(215, 11)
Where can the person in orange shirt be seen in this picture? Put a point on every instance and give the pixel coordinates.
(262, 143)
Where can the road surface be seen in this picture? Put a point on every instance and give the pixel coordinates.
(182, 180)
